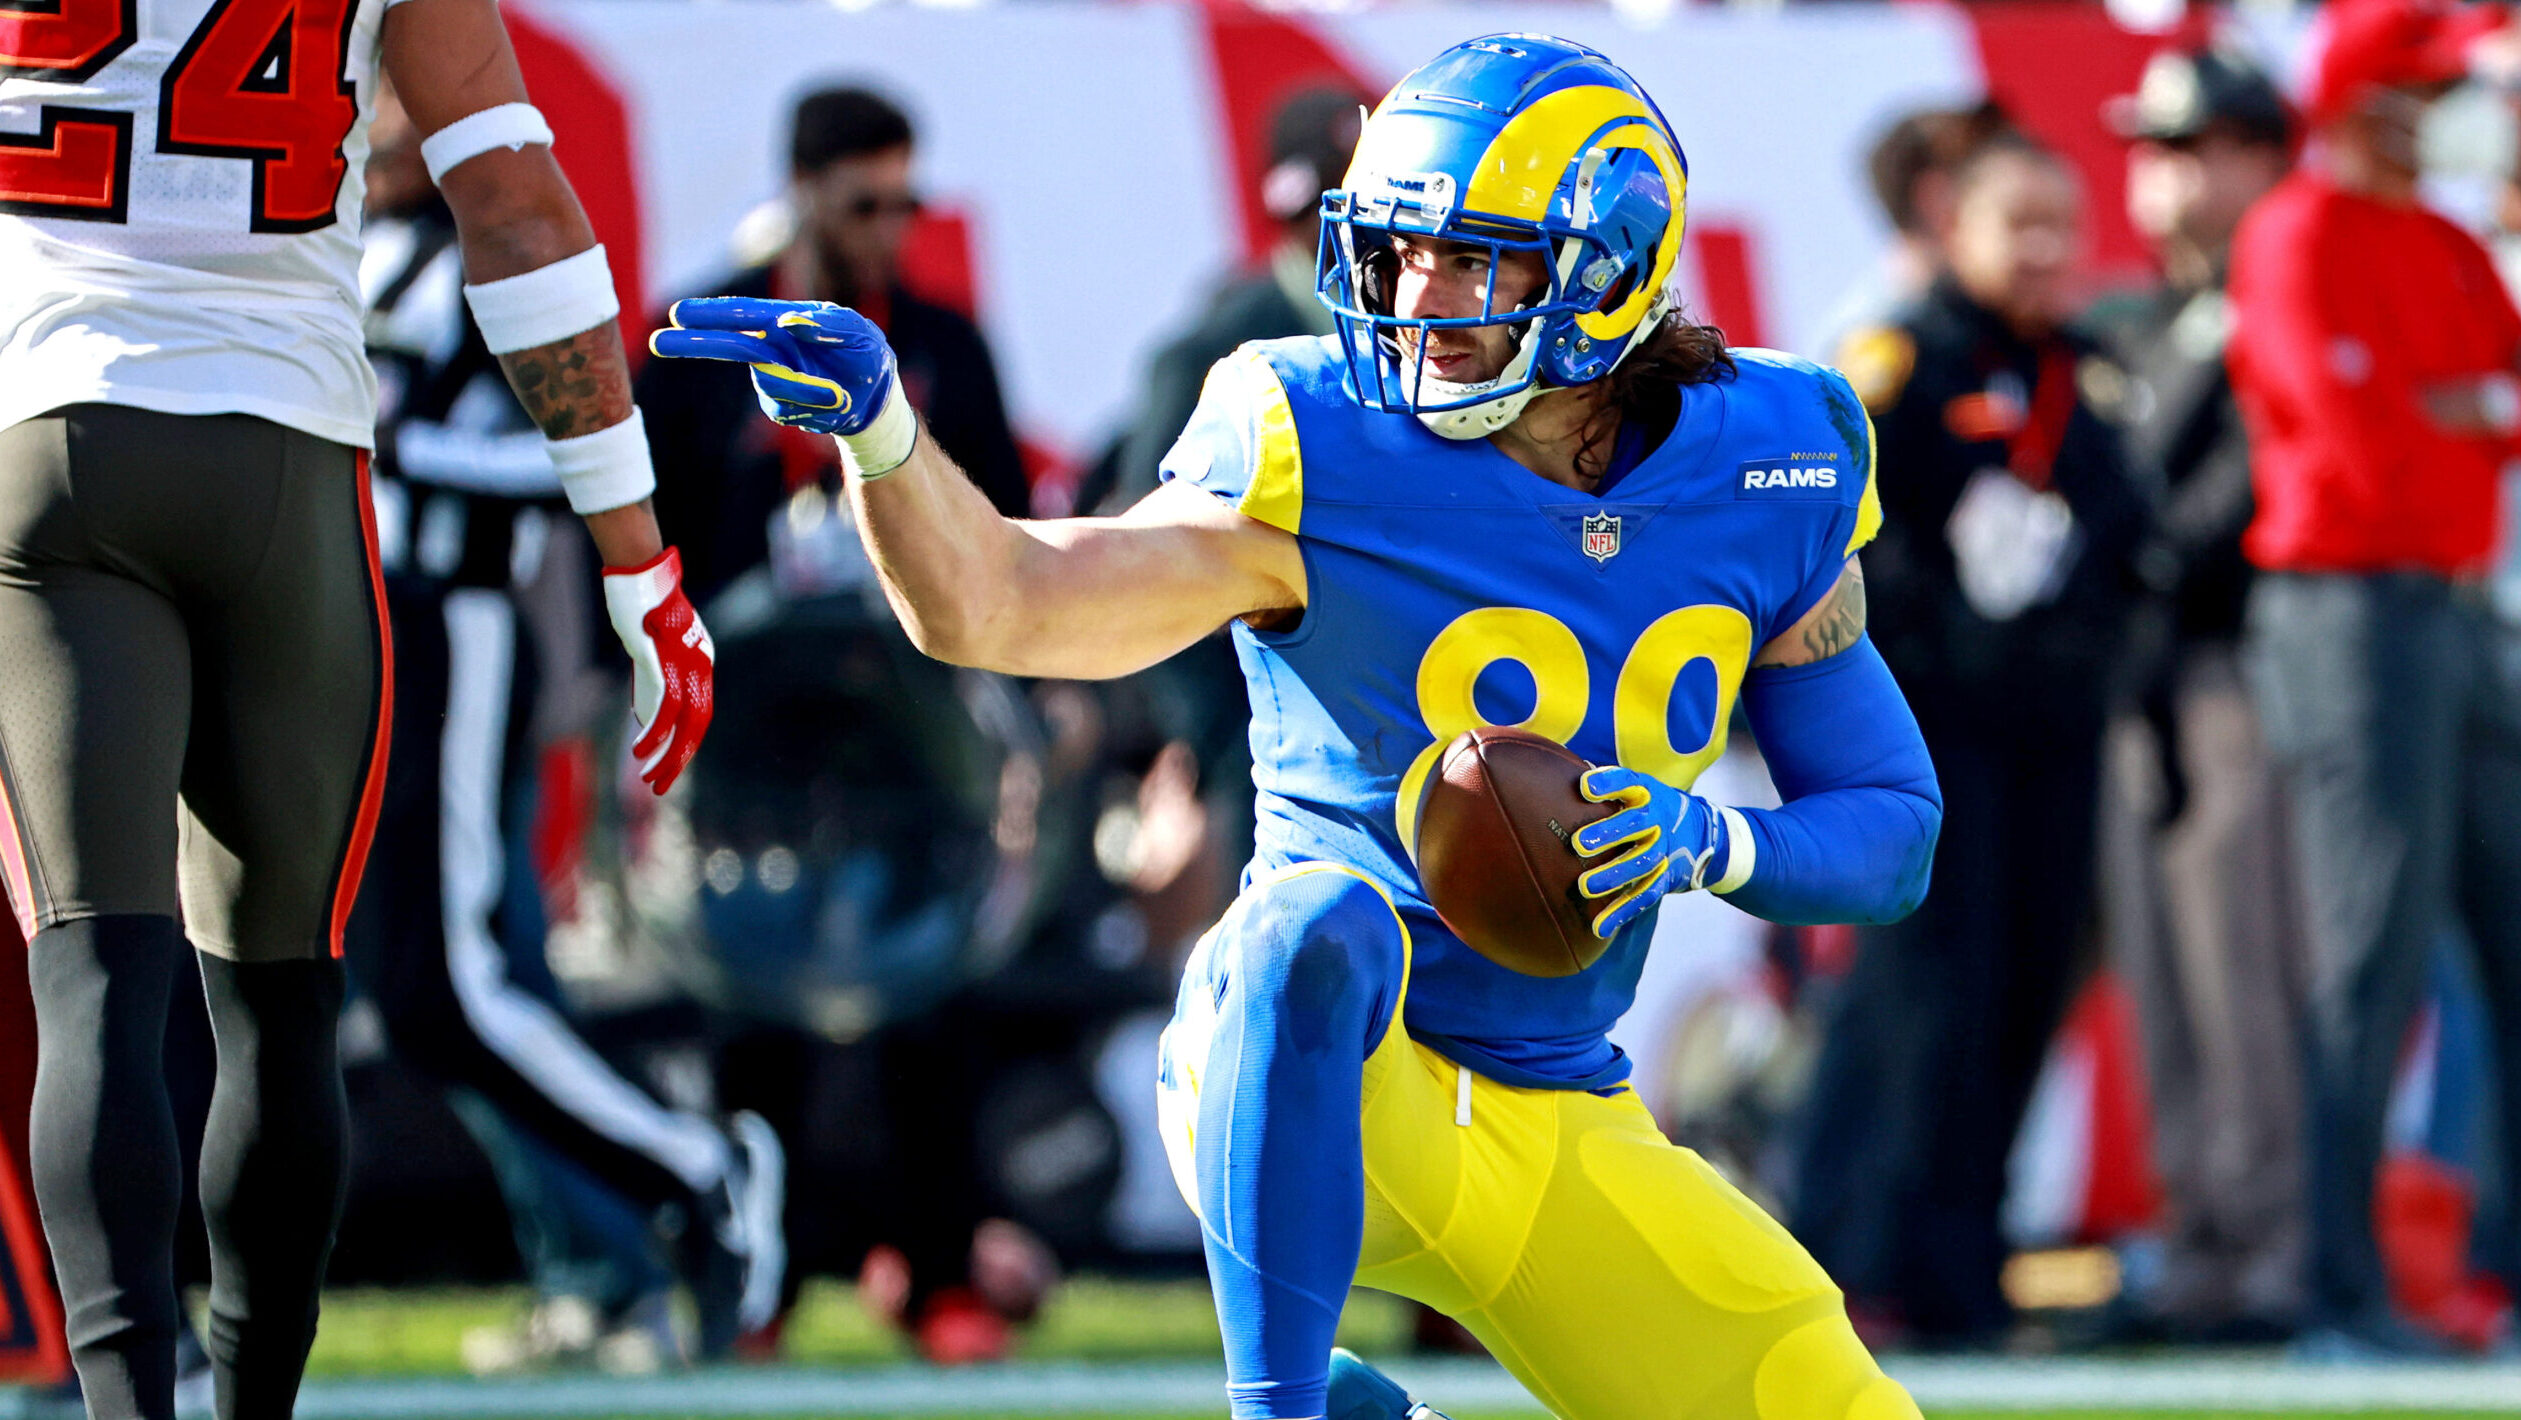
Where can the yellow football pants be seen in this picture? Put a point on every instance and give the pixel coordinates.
(1614, 1273)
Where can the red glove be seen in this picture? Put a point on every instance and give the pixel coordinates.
(671, 663)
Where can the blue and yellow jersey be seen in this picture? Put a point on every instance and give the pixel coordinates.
(1448, 587)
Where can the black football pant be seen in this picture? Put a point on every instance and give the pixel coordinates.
(192, 706)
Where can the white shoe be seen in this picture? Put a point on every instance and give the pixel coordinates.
(761, 1207)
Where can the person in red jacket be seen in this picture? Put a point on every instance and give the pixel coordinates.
(2374, 356)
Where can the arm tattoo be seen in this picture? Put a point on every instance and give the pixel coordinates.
(573, 387)
(1829, 628)
(1838, 628)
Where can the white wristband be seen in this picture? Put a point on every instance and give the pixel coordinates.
(509, 126)
(883, 446)
(545, 304)
(1741, 851)
(606, 469)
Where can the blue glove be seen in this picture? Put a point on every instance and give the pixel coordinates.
(815, 366)
(1675, 841)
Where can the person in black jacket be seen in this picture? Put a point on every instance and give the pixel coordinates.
(2197, 877)
(2000, 588)
(721, 472)
(1311, 137)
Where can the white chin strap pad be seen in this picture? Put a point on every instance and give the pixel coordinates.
(1478, 421)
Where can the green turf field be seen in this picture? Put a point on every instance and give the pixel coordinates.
(1109, 1350)
(414, 1333)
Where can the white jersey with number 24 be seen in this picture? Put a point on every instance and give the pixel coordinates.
(180, 185)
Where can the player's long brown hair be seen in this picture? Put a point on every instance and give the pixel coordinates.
(1646, 386)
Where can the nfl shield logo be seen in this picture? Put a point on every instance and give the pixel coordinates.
(1601, 536)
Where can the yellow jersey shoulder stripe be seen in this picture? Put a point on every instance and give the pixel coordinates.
(1869, 507)
(1275, 494)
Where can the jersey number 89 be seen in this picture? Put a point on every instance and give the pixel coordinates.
(1562, 687)
(262, 80)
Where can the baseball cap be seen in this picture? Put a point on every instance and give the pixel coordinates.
(1311, 136)
(2376, 44)
(2186, 91)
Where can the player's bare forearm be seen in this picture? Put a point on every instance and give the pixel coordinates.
(627, 537)
(575, 386)
(579, 386)
(515, 213)
(1073, 598)
(1831, 626)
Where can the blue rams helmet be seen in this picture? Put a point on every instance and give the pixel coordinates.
(1509, 142)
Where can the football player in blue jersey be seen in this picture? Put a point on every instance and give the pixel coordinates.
(1514, 489)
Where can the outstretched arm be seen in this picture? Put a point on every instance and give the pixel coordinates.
(1074, 598)
(542, 294)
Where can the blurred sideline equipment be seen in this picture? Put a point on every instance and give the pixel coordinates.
(899, 906)
(1287, 1068)
(192, 611)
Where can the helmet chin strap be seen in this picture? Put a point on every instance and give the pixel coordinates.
(1487, 416)
(1484, 417)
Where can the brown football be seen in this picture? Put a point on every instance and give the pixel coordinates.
(1494, 824)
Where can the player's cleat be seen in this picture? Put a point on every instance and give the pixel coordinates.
(736, 1254)
(975, 1321)
(762, 1207)
(1360, 1392)
(958, 1328)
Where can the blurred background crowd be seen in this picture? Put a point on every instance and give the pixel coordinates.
(2188, 346)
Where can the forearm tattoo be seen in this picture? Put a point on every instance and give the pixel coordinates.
(573, 387)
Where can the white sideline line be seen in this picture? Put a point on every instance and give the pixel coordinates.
(2166, 1384)
(2188, 1384)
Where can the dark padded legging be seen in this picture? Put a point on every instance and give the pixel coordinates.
(192, 664)
(192, 705)
(109, 1181)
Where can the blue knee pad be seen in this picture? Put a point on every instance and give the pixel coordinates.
(1306, 975)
